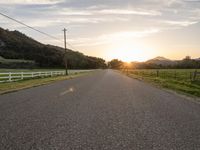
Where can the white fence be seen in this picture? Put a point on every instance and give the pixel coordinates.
(16, 76)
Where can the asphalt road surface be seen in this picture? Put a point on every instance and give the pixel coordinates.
(101, 111)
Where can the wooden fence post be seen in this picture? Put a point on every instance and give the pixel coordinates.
(164, 73)
(157, 73)
(22, 75)
(175, 75)
(190, 76)
(10, 77)
(194, 75)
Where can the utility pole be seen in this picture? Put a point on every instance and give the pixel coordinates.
(65, 54)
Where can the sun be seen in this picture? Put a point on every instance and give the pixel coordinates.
(129, 51)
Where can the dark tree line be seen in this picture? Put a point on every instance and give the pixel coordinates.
(186, 63)
(116, 64)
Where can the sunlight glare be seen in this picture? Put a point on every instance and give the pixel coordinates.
(129, 51)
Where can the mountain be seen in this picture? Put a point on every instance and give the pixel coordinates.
(16, 45)
(161, 61)
(197, 59)
(164, 63)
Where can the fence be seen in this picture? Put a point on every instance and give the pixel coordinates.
(16, 76)
(195, 75)
(177, 74)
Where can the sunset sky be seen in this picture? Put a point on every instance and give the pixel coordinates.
(130, 30)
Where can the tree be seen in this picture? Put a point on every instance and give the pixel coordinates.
(115, 64)
(187, 58)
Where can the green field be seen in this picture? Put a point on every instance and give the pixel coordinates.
(180, 80)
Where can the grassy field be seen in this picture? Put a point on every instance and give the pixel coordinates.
(180, 80)
(23, 84)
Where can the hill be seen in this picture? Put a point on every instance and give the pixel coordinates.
(197, 59)
(16, 45)
(161, 61)
(164, 63)
(16, 63)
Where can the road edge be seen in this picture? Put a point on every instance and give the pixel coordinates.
(186, 96)
(46, 83)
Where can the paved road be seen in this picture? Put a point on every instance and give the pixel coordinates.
(102, 111)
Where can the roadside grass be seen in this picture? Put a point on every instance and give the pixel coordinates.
(178, 80)
(24, 84)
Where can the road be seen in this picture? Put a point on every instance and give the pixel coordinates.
(101, 111)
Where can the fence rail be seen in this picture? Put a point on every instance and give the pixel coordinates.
(16, 76)
(176, 74)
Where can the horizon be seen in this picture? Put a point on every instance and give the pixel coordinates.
(129, 31)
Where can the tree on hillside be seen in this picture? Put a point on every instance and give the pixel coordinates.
(187, 58)
(115, 64)
(188, 63)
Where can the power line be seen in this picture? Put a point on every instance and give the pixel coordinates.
(72, 46)
(46, 34)
(30, 27)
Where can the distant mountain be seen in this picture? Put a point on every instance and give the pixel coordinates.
(160, 61)
(16, 45)
(159, 58)
(197, 59)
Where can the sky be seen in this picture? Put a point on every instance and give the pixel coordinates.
(130, 30)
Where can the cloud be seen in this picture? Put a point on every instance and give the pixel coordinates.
(102, 19)
(174, 2)
(110, 12)
(194, 1)
(22, 2)
(114, 37)
(75, 13)
(91, 20)
(129, 34)
(129, 12)
(181, 23)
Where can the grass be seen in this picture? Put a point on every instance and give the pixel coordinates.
(23, 84)
(179, 80)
